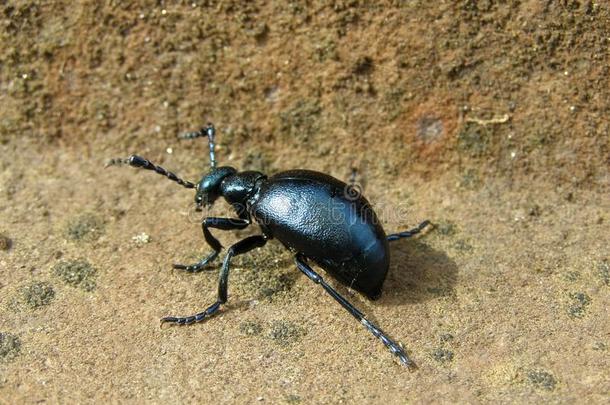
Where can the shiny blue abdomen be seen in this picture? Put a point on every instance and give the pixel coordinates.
(315, 214)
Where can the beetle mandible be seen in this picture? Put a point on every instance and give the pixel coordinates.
(319, 218)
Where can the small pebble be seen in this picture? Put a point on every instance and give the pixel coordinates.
(141, 239)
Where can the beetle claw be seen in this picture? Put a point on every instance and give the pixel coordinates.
(165, 323)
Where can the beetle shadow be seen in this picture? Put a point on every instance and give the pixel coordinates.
(418, 273)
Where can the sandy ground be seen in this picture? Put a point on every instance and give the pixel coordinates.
(489, 119)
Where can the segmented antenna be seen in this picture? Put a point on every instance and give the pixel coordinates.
(140, 162)
(208, 131)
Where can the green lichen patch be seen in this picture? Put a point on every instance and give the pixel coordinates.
(293, 399)
(393, 101)
(77, 273)
(430, 129)
(87, 227)
(446, 228)
(442, 355)
(603, 270)
(470, 180)
(462, 245)
(10, 346)
(285, 333)
(265, 273)
(282, 283)
(5, 242)
(258, 160)
(600, 346)
(571, 276)
(37, 294)
(438, 291)
(301, 120)
(473, 139)
(446, 337)
(250, 328)
(542, 379)
(579, 303)
(325, 50)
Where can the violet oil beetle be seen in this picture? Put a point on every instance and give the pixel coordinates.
(322, 220)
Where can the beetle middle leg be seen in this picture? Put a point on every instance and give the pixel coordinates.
(374, 329)
(243, 246)
(409, 233)
(225, 224)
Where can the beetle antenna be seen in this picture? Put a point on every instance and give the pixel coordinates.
(138, 161)
(208, 131)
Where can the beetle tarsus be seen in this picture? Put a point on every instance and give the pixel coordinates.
(116, 162)
(301, 262)
(389, 343)
(187, 320)
(409, 233)
(197, 267)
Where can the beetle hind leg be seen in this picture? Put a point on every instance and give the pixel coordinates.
(394, 347)
(409, 233)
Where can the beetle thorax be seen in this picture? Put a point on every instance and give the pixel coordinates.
(240, 187)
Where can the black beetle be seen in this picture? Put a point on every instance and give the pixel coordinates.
(316, 216)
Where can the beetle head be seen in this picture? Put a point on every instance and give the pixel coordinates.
(208, 189)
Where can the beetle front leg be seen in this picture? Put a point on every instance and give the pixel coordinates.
(243, 246)
(224, 224)
(374, 329)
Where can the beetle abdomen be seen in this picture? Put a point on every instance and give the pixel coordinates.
(313, 214)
